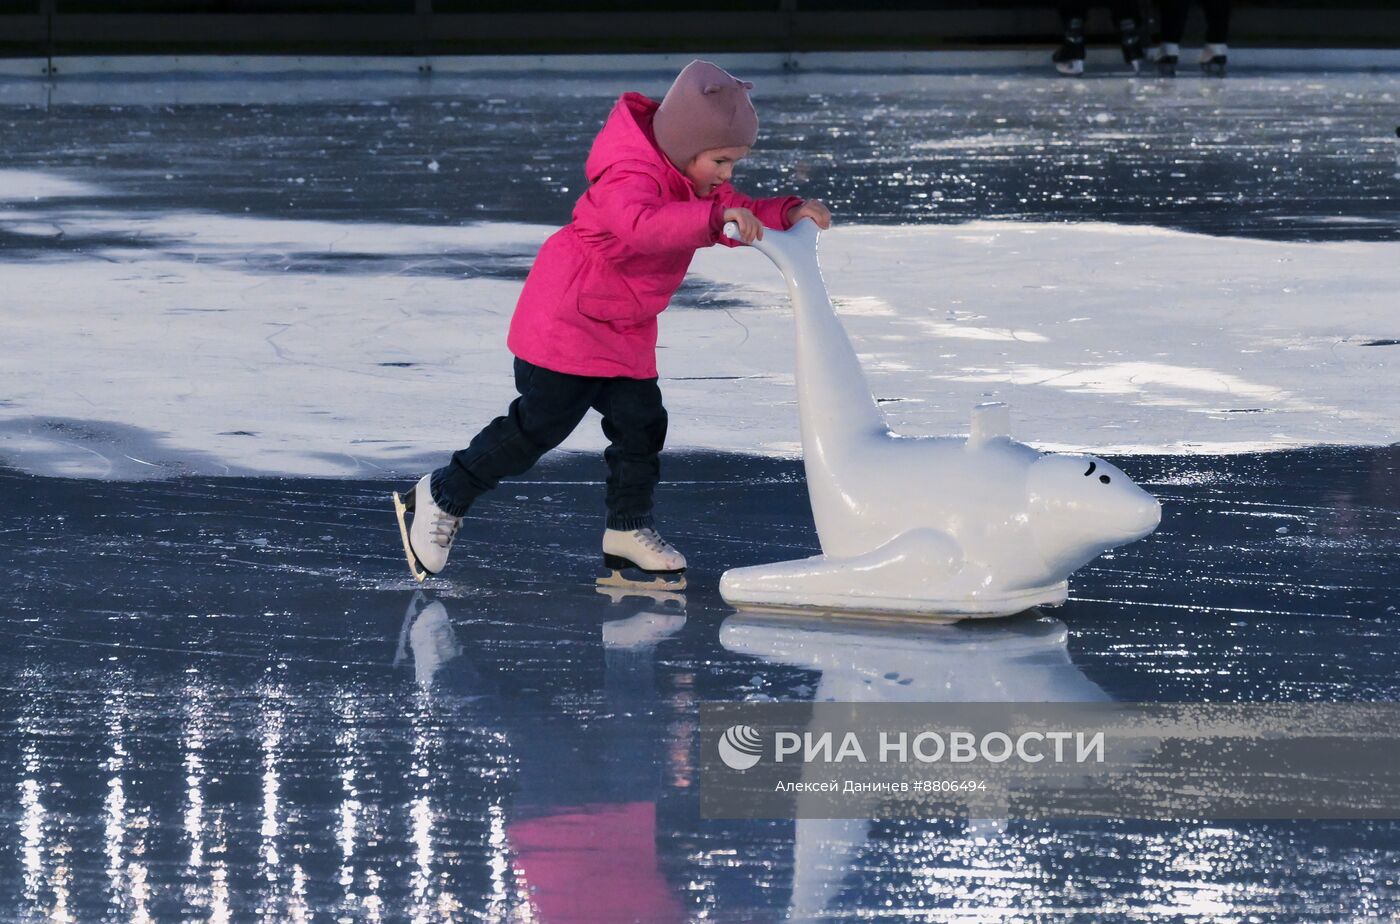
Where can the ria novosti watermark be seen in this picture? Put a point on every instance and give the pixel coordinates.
(931, 747)
(1063, 760)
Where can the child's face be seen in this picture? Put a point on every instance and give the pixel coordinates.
(710, 168)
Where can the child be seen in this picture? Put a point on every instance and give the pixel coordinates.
(584, 329)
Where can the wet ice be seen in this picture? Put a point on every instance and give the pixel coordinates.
(228, 694)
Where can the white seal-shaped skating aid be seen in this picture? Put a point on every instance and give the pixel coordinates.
(976, 526)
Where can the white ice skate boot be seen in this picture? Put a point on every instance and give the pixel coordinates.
(640, 558)
(429, 539)
(1167, 58)
(1214, 57)
(1069, 57)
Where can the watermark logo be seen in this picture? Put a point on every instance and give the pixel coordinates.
(1158, 761)
(740, 747)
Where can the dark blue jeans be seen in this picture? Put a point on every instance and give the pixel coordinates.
(550, 406)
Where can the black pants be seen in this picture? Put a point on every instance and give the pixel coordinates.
(1217, 20)
(550, 406)
(1079, 9)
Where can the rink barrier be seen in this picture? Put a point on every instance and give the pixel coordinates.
(855, 62)
(417, 28)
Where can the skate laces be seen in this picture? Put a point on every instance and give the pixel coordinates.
(444, 529)
(653, 541)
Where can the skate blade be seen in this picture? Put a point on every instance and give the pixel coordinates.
(669, 596)
(420, 574)
(636, 579)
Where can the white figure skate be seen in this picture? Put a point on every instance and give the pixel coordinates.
(428, 541)
(1214, 57)
(640, 559)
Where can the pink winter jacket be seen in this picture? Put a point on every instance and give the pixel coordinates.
(590, 302)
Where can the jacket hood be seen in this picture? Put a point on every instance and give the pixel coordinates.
(627, 136)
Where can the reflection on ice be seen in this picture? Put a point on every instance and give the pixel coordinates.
(556, 853)
(869, 660)
(427, 634)
(644, 630)
(872, 660)
(33, 818)
(598, 861)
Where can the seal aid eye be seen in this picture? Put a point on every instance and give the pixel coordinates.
(1092, 466)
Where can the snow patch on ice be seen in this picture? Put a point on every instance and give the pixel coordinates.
(1129, 378)
(961, 332)
(866, 305)
(30, 185)
(183, 353)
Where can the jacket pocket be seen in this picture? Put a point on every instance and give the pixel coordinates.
(609, 308)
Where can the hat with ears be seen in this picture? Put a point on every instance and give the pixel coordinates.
(706, 107)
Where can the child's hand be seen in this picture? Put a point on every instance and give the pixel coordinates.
(750, 228)
(814, 209)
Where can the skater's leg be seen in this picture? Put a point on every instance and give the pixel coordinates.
(1125, 9)
(1071, 11)
(1174, 20)
(1127, 17)
(550, 406)
(1217, 21)
(1215, 53)
(634, 554)
(634, 421)
(1069, 57)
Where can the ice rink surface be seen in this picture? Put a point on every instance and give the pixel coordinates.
(219, 275)
(224, 699)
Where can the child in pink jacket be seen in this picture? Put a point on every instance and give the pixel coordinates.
(584, 329)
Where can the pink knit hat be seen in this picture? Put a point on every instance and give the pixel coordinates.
(707, 107)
